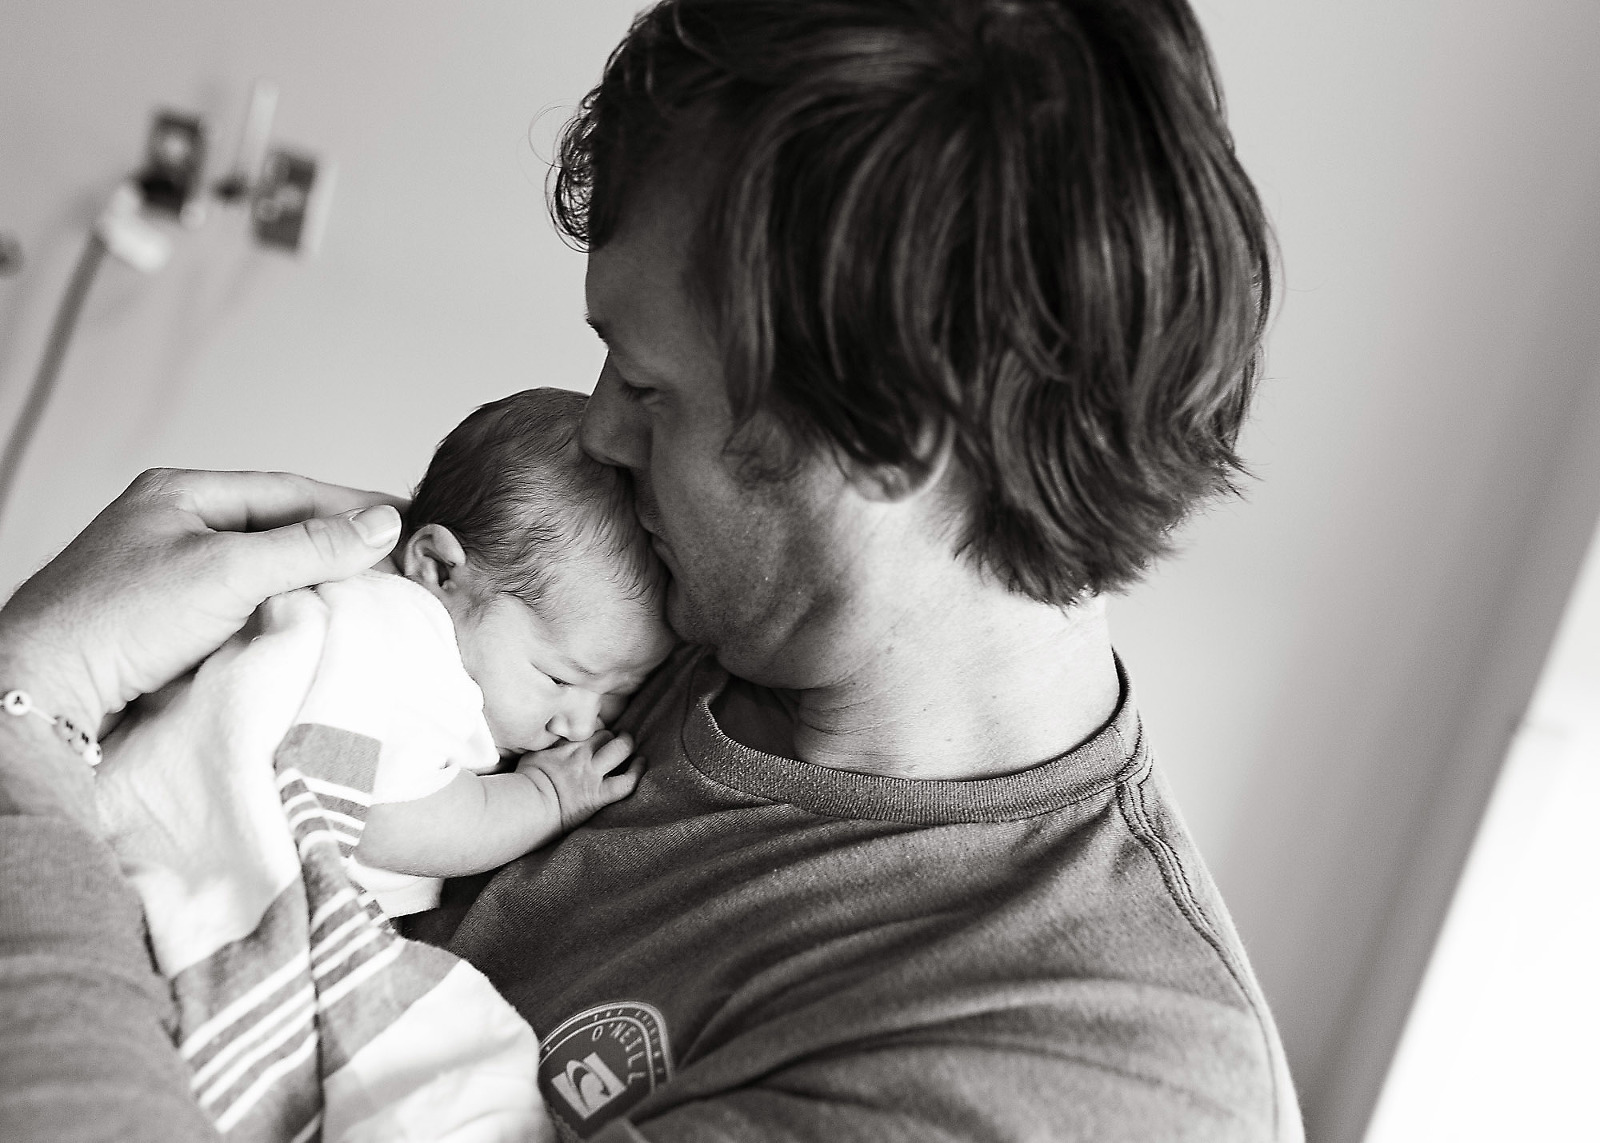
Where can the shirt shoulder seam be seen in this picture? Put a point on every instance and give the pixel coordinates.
(1130, 801)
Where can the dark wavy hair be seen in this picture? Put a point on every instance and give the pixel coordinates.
(523, 499)
(1016, 229)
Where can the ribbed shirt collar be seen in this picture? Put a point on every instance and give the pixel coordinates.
(1113, 754)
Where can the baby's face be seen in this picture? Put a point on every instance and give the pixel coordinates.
(547, 678)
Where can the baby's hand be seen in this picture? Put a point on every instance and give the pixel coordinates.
(574, 774)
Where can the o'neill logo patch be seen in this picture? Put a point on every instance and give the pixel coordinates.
(601, 1062)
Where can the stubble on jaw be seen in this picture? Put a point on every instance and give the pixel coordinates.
(769, 593)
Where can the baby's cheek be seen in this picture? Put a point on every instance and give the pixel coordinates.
(511, 713)
(538, 703)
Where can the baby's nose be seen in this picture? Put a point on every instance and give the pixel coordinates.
(579, 718)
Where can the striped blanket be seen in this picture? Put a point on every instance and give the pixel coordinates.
(233, 800)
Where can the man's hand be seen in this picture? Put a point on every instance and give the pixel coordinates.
(575, 774)
(170, 570)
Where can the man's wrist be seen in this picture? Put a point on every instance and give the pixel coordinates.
(51, 681)
(40, 773)
(41, 776)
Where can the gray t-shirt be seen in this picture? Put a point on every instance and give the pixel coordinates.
(808, 953)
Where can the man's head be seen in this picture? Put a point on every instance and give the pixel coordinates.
(1002, 246)
(535, 552)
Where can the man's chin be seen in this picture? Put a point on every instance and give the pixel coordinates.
(705, 627)
(682, 616)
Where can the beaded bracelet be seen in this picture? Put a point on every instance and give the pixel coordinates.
(19, 703)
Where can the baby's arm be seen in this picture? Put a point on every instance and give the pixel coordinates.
(478, 823)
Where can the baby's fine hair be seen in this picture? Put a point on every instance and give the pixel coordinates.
(522, 497)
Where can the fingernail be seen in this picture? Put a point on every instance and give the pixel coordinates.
(378, 525)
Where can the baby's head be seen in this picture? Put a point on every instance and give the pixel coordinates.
(534, 550)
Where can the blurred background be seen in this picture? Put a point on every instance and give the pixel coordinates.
(1334, 667)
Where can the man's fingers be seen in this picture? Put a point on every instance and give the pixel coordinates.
(378, 525)
(313, 551)
(255, 501)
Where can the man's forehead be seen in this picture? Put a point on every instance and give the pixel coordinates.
(639, 299)
(649, 250)
(656, 228)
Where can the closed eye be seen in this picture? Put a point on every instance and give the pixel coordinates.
(632, 389)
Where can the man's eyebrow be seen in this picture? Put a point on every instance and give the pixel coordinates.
(619, 353)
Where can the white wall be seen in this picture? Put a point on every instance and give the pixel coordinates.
(1331, 669)
(440, 284)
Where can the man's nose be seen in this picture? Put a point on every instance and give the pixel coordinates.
(578, 718)
(612, 431)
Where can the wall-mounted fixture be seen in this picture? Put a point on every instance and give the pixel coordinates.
(287, 192)
(290, 202)
(175, 153)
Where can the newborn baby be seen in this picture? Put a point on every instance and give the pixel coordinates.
(354, 744)
(534, 553)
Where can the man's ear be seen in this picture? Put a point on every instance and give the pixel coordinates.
(434, 558)
(890, 483)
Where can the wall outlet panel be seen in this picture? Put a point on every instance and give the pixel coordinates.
(290, 206)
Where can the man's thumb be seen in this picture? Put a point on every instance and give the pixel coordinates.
(324, 548)
(378, 527)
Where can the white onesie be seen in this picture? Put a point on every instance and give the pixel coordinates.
(391, 668)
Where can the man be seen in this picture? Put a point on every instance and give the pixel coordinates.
(926, 323)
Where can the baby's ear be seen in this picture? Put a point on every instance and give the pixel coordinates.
(434, 558)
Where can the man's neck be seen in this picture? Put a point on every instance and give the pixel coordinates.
(985, 689)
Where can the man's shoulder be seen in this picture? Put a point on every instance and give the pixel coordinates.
(1158, 947)
(1072, 966)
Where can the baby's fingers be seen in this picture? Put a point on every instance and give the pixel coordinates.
(613, 754)
(621, 785)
